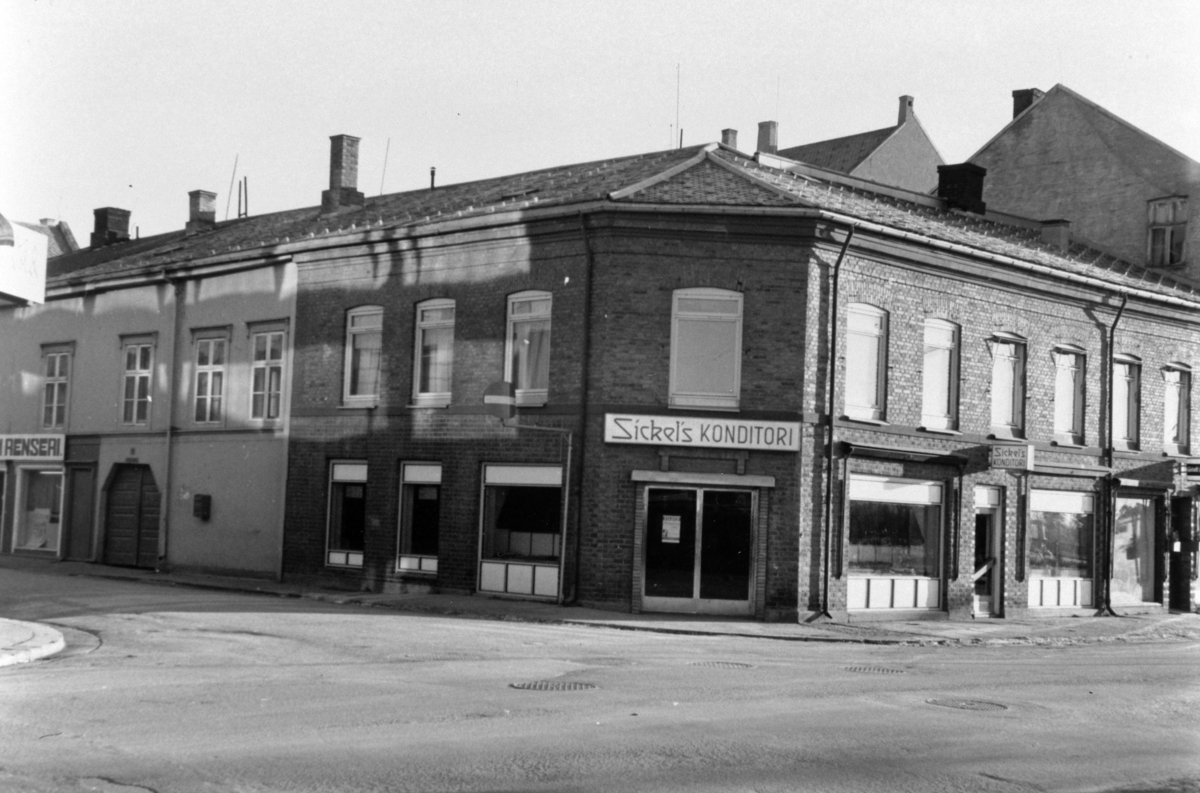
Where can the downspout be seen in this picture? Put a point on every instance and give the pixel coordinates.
(831, 388)
(1110, 480)
(172, 375)
(584, 383)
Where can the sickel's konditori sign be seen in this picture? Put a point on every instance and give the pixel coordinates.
(779, 436)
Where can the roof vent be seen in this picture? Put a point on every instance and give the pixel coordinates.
(1057, 233)
(112, 225)
(202, 211)
(729, 138)
(1024, 98)
(343, 176)
(768, 136)
(961, 186)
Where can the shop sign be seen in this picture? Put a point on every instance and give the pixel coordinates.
(778, 436)
(1191, 470)
(1018, 457)
(32, 447)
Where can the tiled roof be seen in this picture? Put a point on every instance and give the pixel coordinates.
(839, 154)
(698, 175)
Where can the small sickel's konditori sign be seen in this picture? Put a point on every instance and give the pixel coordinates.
(779, 436)
(32, 447)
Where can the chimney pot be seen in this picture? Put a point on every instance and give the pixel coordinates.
(961, 186)
(202, 211)
(1057, 233)
(112, 225)
(1024, 98)
(906, 109)
(768, 136)
(343, 176)
(729, 138)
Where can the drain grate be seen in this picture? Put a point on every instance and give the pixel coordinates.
(967, 704)
(442, 657)
(873, 670)
(722, 664)
(551, 685)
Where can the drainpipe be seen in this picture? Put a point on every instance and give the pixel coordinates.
(1110, 480)
(172, 376)
(584, 383)
(831, 388)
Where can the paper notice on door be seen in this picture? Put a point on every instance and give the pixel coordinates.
(670, 528)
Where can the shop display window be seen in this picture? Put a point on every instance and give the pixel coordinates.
(39, 512)
(1060, 542)
(522, 523)
(420, 517)
(894, 539)
(347, 514)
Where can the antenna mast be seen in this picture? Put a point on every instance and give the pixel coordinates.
(229, 195)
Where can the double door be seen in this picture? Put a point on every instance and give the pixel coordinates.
(699, 550)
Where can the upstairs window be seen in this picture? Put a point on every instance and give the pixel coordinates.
(1070, 369)
(266, 375)
(1177, 408)
(1008, 385)
(135, 394)
(210, 380)
(706, 348)
(1168, 228)
(56, 368)
(364, 345)
(866, 361)
(1127, 396)
(939, 395)
(434, 353)
(527, 354)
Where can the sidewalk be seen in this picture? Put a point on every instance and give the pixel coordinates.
(23, 641)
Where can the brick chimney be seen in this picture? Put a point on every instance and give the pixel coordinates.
(906, 109)
(202, 212)
(961, 186)
(768, 136)
(343, 176)
(1057, 233)
(729, 138)
(112, 225)
(1024, 98)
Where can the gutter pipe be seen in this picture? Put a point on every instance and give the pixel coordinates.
(584, 379)
(172, 379)
(1111, 479)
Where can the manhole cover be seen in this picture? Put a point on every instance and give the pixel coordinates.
(873, 670)
(722, 664)
(551, 685)
(967, 704)
(441, 657)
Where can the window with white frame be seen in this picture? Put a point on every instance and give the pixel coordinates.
(1008, 384)
(866, 361)
(1127, 397)
(706, 348)
(364, 347)
(1168, 229)
(527, 354)
(266, 375)
(1177, 408)
(56, 374)
(895, 527)
(1070, 370)
(135, 389)
(939, 396)
(210, 380)
(434, 352)
(347, 514)
(420, 516)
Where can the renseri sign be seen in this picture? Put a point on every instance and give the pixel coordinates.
(776, 436)
(32, 447)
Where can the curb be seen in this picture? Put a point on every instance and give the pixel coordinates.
(42, 641)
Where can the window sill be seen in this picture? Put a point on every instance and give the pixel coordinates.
(365, 405)
(1006, 434)
(1125, 446)
(417, 404)
(939, 431)
(1176, 451)
(873, 422)
(531, 400)
(1068, 443)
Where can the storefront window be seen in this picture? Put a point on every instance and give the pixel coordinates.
(347, 514)
(1060, 544)
(894, 539)
(522, 522)
(420, 514)
(39, 518)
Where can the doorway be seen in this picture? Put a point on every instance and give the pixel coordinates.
(987, 572)
(699, 550)
(1181, 553)
(80, 495)
(131, 518)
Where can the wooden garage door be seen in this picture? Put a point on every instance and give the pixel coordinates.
(131, 518)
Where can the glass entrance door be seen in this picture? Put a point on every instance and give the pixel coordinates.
(699, 550)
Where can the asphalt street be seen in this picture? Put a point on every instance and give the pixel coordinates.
(178, 689)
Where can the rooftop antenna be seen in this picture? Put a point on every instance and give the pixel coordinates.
(385, 156)
(777, 81)
(677, 106)
(229, 195)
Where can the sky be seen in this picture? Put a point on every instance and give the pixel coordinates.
(134, 104)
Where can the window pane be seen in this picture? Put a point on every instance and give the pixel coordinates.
(276, 347)
(1066, 391)
(202, 354)
(431, 315)
(347, 516)
(260, 347)
(1171, 404)
(422, 507)
(531, 354)
(710, 305)
(1177, 237)
(437, 354)
(218, 352)
(522, 522)
(364, 363)
(706, 357)
(1004, 381)
(531, 307)
(1060, 544)
(894, 539)
(366, 321)
(862, 371)
(1133, 553)
(936, 393)
(144, 358)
